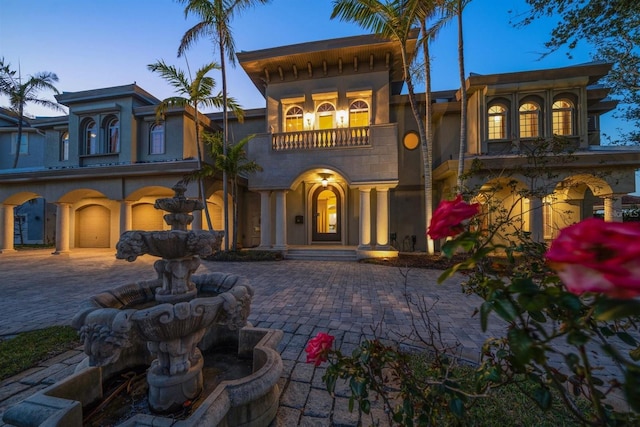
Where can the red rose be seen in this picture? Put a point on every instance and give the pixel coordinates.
(598, 256)
(318, 348)
(448, 217)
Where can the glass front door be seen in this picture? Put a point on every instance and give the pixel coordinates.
(326, 214)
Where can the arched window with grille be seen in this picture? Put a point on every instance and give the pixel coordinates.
(90, 132)
(113, 135)
(294, 119)
(156, 139)
(562, 116)
(359, 114)
(325, 116)
(529, 114)
(497, 122)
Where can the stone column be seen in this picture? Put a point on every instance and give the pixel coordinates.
(281, 220)
(62, 228)
(382, 218)
(8, 224)
(196, 224)
(265, 219)
(536, 224)
(613, 208)
(125, 216)
(365, 218)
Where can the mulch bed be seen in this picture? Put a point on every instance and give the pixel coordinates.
(417, 260)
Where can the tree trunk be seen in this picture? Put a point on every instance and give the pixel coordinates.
(427, 146)
(225, 137)
(19, 139)
(201, 192)
(463, 103)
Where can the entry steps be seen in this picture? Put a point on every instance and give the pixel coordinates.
(320, 254)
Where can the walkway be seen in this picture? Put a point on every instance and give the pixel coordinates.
(346, 299)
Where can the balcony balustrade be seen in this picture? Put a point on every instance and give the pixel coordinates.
(321, 139)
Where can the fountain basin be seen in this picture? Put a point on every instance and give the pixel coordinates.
(251, 401)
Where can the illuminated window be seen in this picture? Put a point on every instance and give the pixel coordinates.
(64, 146)
(294, 119)
(529, 120)
(358, 114)
(156, 138)
(326, 114)
(562, 112)
(113, 135)
(90, 137)
(497, 124)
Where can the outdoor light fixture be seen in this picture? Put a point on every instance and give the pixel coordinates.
(324, 182)
(341, 115)
(308, 117)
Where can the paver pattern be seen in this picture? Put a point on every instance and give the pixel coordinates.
(349, 300)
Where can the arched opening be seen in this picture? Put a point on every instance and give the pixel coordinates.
(327, 214)
(93, 227)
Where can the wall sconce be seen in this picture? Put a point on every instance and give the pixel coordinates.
(308, 118)
(341, 117)
(325, 182)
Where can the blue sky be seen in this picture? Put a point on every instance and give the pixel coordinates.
(109, 43)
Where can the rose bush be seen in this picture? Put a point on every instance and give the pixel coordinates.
(598, 256)
(448, 218)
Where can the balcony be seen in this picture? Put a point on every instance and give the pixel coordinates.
(321, 139)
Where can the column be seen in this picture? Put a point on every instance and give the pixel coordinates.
(382, 218)
(265, 219)
(62, 228)
(281, 220)
(8, 224)
(196, 224)
(536, 223)
(613, 208)
(365, 218)
(125, 216)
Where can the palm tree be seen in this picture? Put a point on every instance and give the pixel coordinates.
(195, 93)
(215, 22)
(20, 93)
(395, 19)
(235, 163)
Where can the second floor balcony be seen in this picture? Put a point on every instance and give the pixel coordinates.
(321, 138)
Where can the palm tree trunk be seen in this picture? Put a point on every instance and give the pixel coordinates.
(234, 193)
(201, 192)
(427, 149)
(463, 102)
(19, 138)
(225, 137)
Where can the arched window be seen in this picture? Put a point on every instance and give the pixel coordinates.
(113, 135)
(294, 120)
(90, 137)
(562, 113)
(64, 146)
(497, 122)
(358, 114)
(326, 114)
(156, 139)
(529, 120)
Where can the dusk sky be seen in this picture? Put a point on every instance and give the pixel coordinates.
(97, 44)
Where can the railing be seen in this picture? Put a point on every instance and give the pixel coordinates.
(323, 138)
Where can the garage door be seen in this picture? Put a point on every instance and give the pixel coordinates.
(92, 227)
(146, 217)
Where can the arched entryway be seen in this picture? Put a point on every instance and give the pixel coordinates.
(93, 227)
(326, 214)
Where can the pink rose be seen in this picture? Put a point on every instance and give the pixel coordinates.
(318, 348)
(448, 217)
(598, 256)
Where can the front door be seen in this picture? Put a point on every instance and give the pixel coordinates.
(326, 214)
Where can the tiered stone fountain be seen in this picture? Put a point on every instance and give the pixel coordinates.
(177, 315)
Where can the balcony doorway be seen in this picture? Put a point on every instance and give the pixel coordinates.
(326, 214)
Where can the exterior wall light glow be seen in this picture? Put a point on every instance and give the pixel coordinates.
(308, 119)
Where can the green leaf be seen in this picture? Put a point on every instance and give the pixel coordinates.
(520, 344)
(626, 338)
(635, 354)
(632, 387)
(542, 396)
(524, 285)
(538, 316)
(612, 309)
(577, 338)
(505, 309)
(485, 310)
(457, 407)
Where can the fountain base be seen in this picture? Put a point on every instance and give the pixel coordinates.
(168, 394)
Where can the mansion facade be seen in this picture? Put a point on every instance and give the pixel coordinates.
(338, 144)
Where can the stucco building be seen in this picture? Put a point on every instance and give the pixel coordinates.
(338, 143)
